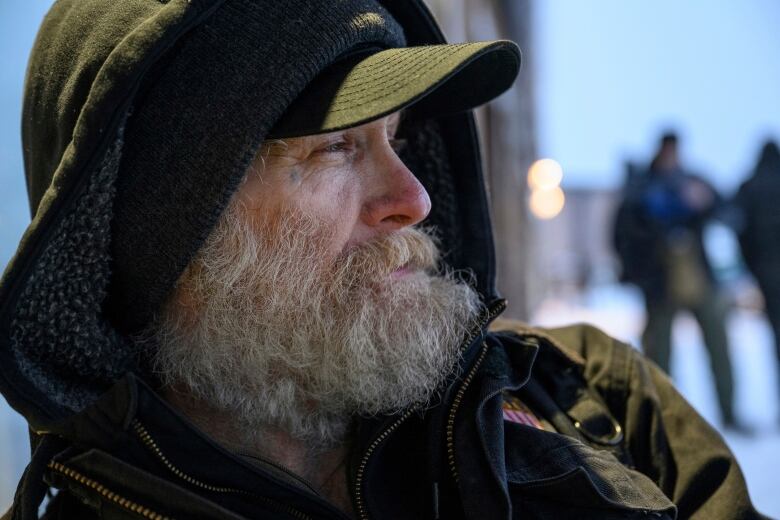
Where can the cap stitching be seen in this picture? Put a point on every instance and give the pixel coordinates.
(394, 87)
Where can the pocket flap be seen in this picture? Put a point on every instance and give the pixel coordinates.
(584, 477)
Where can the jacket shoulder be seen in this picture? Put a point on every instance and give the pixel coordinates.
(581, 341)
(610, 366)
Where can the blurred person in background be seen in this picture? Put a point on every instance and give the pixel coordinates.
(758, 228)
(658, 237)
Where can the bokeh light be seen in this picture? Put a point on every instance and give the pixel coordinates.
(545, 174)
(547, 203)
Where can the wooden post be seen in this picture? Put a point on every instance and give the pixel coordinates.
(508, 133)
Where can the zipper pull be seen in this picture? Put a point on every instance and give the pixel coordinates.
(435, 501)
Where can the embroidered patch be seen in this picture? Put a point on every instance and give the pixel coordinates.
(517, 412)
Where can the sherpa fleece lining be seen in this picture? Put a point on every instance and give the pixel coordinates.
(59, 337)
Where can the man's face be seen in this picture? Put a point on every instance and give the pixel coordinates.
(353, 180)
(314, 298)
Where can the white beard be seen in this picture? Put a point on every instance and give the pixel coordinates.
(263, 327)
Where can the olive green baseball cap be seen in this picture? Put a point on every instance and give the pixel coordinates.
(367, 84)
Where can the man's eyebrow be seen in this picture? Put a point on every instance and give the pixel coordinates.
(265, 151)
(273, 145)
(276, 143)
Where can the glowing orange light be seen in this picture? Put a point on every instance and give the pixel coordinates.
(547, 203)
(545, 174)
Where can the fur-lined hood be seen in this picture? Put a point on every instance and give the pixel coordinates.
(59, 349)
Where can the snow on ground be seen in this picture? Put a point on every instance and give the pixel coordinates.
(620, 312)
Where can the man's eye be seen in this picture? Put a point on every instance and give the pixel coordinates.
(337, 147)
(398, 145)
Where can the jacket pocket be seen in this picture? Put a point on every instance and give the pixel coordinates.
(576, 481)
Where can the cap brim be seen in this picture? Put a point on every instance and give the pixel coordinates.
(436, 79)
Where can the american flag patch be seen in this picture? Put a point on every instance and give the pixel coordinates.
(517, 412)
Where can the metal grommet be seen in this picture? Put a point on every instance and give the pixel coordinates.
(613, 439)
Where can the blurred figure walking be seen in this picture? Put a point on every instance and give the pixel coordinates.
(758, 202)
(658, 237)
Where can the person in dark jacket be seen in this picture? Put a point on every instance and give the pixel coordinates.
(230, 304)
(658, 235)
(759, 231)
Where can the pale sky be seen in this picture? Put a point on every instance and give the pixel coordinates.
(611, 74)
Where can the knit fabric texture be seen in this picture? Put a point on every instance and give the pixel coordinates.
(425, 154)
(199, 120)
(60, 338)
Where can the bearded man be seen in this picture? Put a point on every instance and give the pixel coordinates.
(259, 278)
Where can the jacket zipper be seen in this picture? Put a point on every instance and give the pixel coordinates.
(450, 432)
(362, 511)
(150, 443)
(106, 493)
(454, 411)
(359, 502)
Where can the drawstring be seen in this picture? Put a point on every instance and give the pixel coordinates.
(435, 434)
(32, 489)
(435, 501)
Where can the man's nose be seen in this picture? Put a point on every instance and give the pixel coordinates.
(397, 199)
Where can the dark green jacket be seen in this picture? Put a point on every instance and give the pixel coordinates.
(625, 445)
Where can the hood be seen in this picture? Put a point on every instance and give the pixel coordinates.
(60, 346)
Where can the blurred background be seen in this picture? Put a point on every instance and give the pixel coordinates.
(566, 149)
